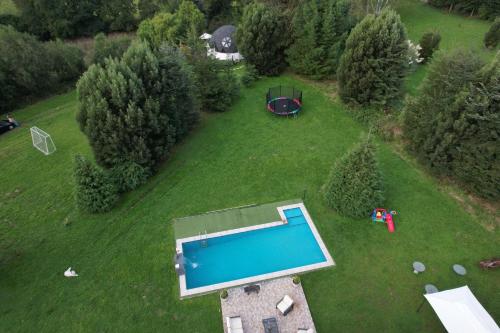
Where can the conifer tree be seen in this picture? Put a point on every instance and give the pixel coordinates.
(492, 37)
(262, 38)
(452, 125)
(429, 44)
(320, 29)
(95, 192)
(375, 60)
(354, 186)
(136, 108)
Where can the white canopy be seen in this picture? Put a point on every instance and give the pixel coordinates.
(461, 312)
(205, 36)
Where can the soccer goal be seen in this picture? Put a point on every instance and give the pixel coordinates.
(42, 141)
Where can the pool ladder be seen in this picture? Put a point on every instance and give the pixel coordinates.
(203, 239)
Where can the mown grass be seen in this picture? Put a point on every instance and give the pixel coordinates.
(124, 258)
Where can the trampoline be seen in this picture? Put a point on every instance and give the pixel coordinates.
(284, 101)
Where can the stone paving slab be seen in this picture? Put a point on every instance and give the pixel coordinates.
(255, 307)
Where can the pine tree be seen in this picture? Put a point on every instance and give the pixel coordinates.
(95, 192)
(320, 29)
(262, 38)
(374, 63)
(354, 186)
(492, 37)
(136, 108)
(429, 44)
(453, 125)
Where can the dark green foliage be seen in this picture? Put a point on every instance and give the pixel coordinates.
(173, 28)
(375, 60)
(262, 38)
(453, 125)
(492, 37)
(29, 68)
(129, 176)
(109, 47)
(320, 29)
(249, 76)
(429, 43)
(95, 190)
(487, 9)
(136, 108)
(72, 18)
(354, 186)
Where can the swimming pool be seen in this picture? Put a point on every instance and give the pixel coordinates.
(252, 254)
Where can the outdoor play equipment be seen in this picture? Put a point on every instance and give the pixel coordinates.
(383, 216)
(284, 101)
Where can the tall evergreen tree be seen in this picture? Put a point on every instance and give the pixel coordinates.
(134, 109)
(375, 60)
(453, 124)
(354, 186)
(320, 29)
(262, 38)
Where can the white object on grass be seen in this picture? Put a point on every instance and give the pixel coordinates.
(70, 273)
(42, 141)
(460, 311)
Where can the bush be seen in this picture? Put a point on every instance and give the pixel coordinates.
(452, 124)
(249, 76)
(492, 37)
(223, 294)
(375, 60)
(128, 176)
(109, 47)
(29, 68)
(261, 38)
(172, 28)
(136, 108)
(296, 279)
(429, 44)
(354, 186)
(319, 31)
(486, 9)
(95, 191)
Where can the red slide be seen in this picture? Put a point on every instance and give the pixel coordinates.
(390, 223)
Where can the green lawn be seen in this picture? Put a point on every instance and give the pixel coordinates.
(127, 282)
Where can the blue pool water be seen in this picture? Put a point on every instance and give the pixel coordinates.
(251, 253)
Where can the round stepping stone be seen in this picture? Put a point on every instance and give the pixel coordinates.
(418, 267)
(430, 289)
(459, 269)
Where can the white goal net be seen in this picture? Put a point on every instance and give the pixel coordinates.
(42, 141)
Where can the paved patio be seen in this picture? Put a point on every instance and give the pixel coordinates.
(255, 307)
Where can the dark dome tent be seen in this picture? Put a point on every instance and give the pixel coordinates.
(222, 43)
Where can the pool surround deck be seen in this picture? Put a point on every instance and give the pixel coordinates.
(185, 292)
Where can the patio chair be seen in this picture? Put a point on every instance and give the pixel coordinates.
(285, 305)
(270, 325)
(253, 288)
(234, 325)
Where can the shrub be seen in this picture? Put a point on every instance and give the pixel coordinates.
(261, 38)
(452, 125)
(296, 279)
(173, 28)
(492, 37)
(29, 68)
(249, 76)
(429, 44)
(109, 47)
(95, 191)
(128, 176)
(136, 108)
(375, 60)
(319, 31)
(223, 294)
(354, 186)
